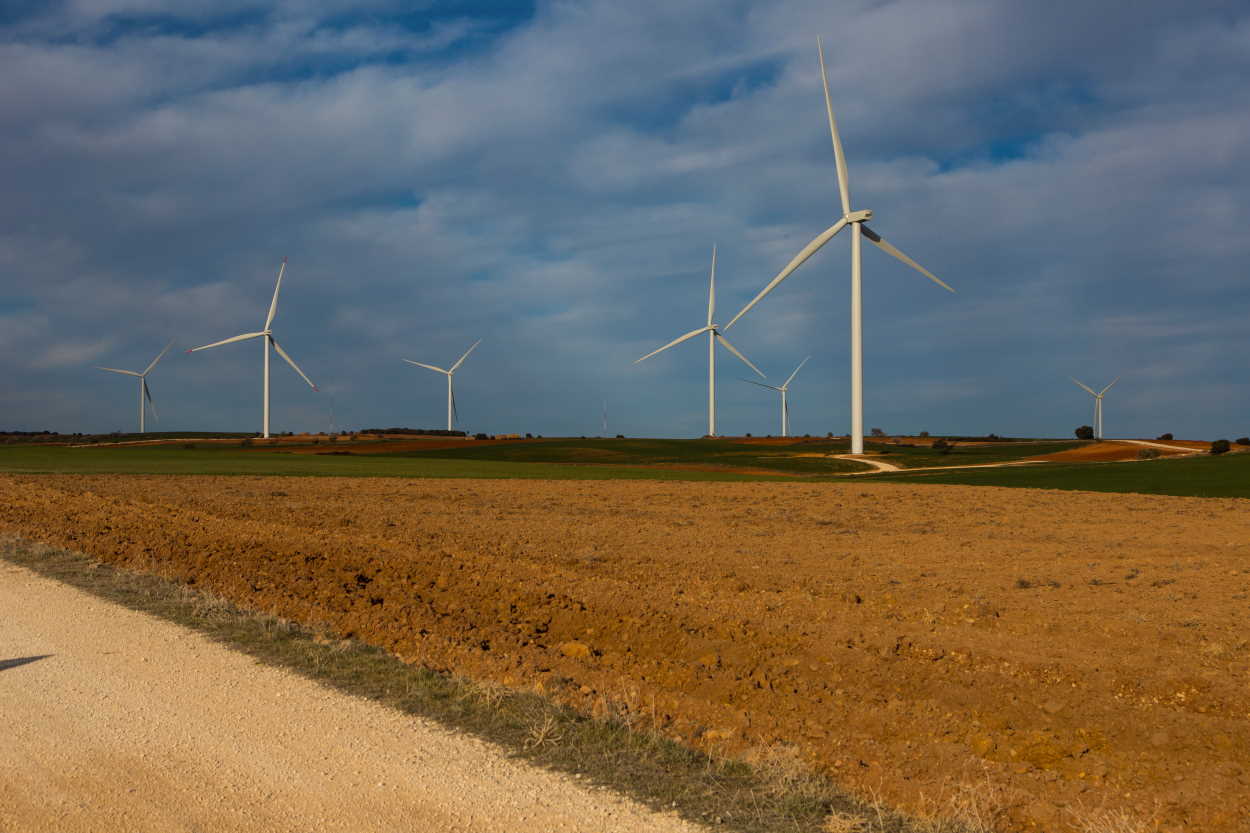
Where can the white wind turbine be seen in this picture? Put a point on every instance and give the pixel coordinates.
(783, 389)
(267, 335)
(144, 392)
(1097, 403)
(713, 336)
(857, 221)
(451, 396)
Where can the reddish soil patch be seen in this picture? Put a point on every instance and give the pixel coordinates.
(1072, 650)
(1100, 453)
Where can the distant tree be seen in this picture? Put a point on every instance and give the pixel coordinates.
(942, 446)
(528, 435)
(829, 435)
(620, 436)
(1085, 432)
(1219, 447)
(747, 434)
(1167, 436)
(877, 432)
(924, 433)
(1242, 441)
(484, 437)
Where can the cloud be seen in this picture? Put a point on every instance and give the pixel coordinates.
(552, 180)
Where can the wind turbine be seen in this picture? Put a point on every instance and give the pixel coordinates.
(783, 389)
(267, 335)
(1097, 404)
(857, 221)
(713, 336)
(451, 396)
(144, 392)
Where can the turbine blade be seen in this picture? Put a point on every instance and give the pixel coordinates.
(159, 356)
(760, 384)
(147, 393)
(456, 366)
(273, 305)
(1083, 385)
(290, 361)
(243, 337)
(675, 341)
(455, 412)
(1108, 387)
(711, 289)
(844, 187)
(889, 248)
(724, 341)
(795, 373)
(115, 370)
(808, 250)
(426, 366)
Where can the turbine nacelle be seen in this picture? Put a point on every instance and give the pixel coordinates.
(858, 216)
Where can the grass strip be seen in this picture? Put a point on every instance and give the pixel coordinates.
(777, 792)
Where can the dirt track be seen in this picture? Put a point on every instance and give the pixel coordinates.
(1079, 650)
(121, 722)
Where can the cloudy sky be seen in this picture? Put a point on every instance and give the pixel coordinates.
(551, 178)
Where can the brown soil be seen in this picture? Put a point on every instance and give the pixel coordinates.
(1109, 452)
(1073, 651)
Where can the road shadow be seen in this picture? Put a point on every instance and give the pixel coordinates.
(6, 664)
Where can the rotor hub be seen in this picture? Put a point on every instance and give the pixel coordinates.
(859, 216)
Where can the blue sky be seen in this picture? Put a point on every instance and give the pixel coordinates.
(551, 178)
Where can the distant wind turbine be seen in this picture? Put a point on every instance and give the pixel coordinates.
(145, 394)
(713, 336)
(267, 335)
(451, 395)
(783, 389)
(856, 220)
(1097, 403)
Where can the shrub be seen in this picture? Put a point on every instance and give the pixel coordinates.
(924, 433)
(1085, 432)
(484, 437)
(620, 436)
(1219, 447)
(528, 435)
(1148, 454)
(877, 432)
(1242, 441)
(942, 446)
(748, 434)
(1167, 436)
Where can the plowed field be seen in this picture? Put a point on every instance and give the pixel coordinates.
(1071, 651)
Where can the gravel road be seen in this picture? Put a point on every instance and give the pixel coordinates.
(115, 720)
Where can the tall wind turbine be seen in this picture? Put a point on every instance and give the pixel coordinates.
(713, 336)
(451, 395)
(857, 221)
(1097, 404)
(783, 389)
(267, 335)
(144, 392)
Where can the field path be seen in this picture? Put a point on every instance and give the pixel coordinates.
(115, 720)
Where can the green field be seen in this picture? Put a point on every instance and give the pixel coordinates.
(642, 459)
(1226, 475)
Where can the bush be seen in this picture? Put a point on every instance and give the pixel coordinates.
(484, 437)
(1148, 454)
(877, 432)
(1219, 447)
(924, 433)
(942, 446)
(1242, 441)
(1167, 436)
(1085, 432)
(528, 435)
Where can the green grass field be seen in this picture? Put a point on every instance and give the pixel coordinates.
(1227, 475)
(640, 459)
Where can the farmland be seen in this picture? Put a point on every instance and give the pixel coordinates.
(905, 638)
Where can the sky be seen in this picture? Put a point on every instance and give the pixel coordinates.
(551, 178)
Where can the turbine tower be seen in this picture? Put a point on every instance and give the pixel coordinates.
(713, 336)
(783, 389)
(1097, 403)
(144, 392)
(267, 335)
(859, 228)
(451, 395)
